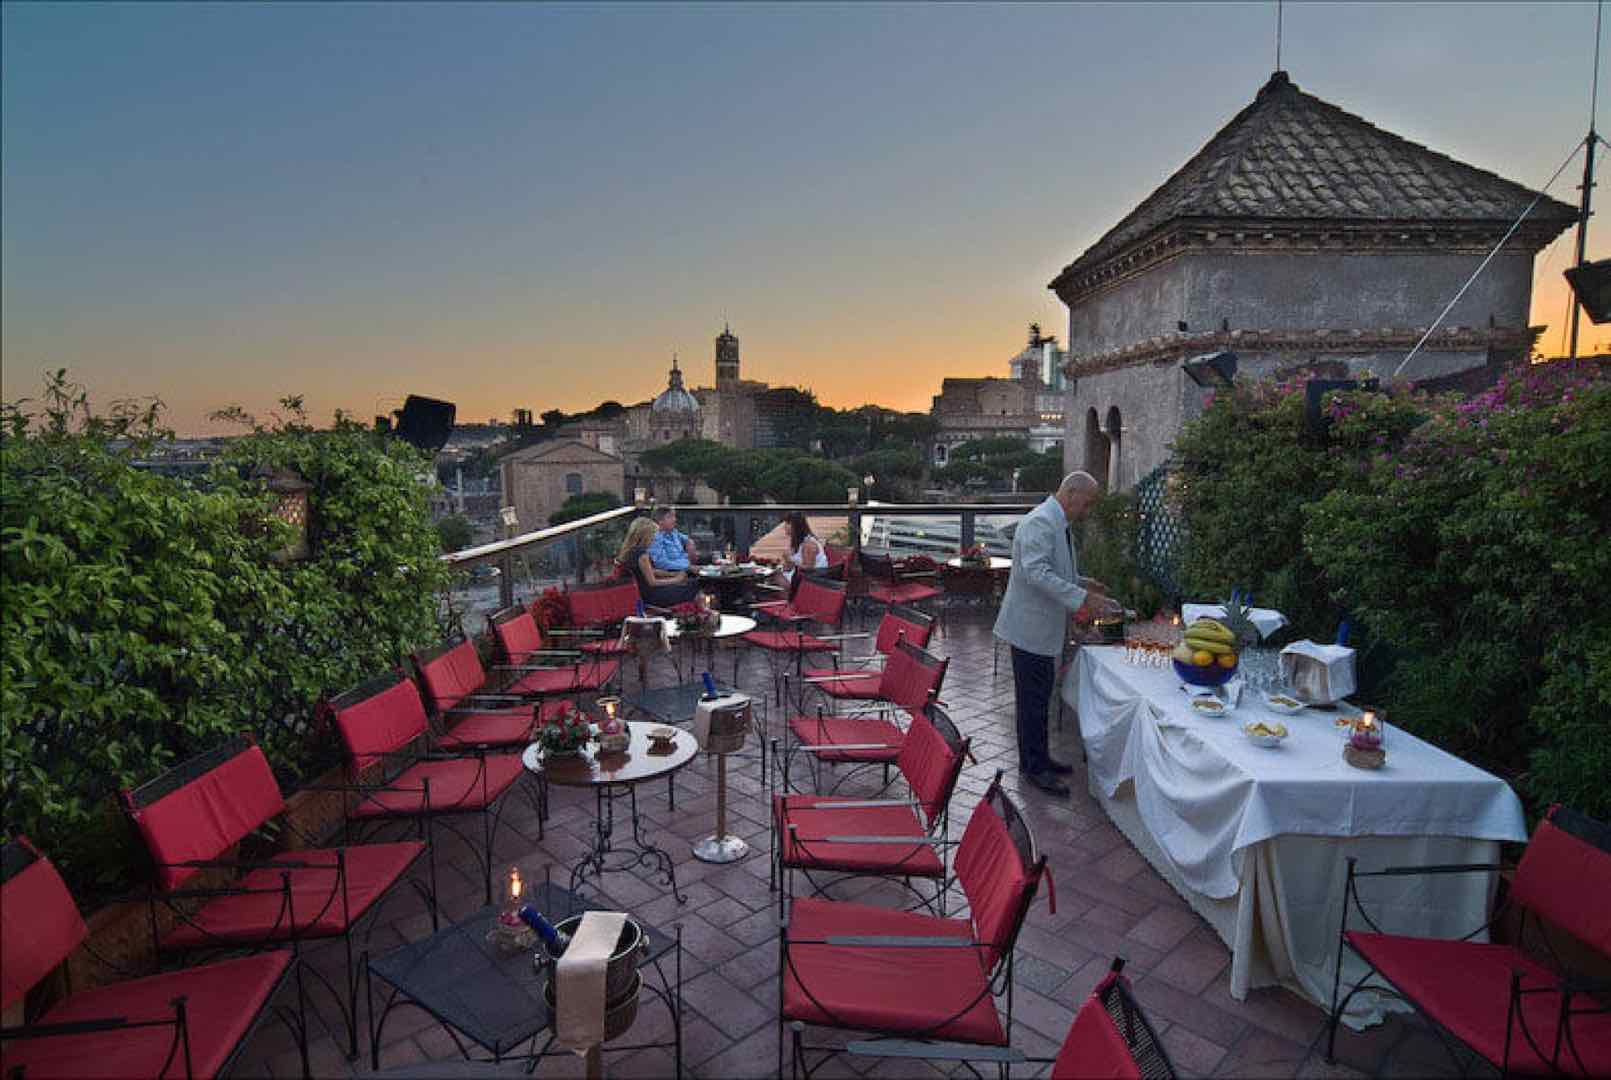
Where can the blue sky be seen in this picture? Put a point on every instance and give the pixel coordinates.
(532, 205)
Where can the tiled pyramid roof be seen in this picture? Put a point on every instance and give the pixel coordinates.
(1290, 156)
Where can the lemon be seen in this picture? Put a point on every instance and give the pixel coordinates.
(1227, 660)
(1202, 658)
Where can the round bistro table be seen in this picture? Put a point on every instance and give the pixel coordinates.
(614, 776)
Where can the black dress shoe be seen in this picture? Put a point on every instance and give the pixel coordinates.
(1058, 768)
(1049, 783)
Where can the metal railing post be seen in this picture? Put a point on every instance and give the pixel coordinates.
(506, 580)
(966, 530)
(743, 530)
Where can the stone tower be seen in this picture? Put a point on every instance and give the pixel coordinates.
(726, 359)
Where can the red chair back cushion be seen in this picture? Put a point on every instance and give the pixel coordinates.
(993, 877)
(893, 628)
(928, 764)
(206, 817)
(1095, 1048)
(454, 675)
(1567, 880)
(818, 601)
(519, 636)
(39, 927)
(603, 607)
(908, 681)
(381, 724)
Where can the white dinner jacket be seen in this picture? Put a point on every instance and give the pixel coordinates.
(1044, 585)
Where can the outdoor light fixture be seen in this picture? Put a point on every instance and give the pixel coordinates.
(1592, 284)
(291, 506)
(1211, 369)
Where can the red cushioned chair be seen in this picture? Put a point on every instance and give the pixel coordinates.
(597, 612)
(190, 818)
(903, 839)
(1110, 1039)
(906, 975)
(1523, 1012)
(383, 727)
(536, 671)
(189, 1023)
(909, 683)
(891, 581)
(471, 712)
(816, 602)
(857, 678)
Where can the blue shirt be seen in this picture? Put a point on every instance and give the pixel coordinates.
(669, 550)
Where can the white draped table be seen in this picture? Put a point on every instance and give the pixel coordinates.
(1256, 839)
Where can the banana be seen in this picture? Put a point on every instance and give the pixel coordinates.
(1213, 630)
(1207, 644)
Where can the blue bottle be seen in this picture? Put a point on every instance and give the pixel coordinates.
(710, 687)
(556, 939)
(640, 607)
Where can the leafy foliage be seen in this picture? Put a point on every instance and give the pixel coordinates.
(455, 532)
(146, 619)
(753, 475)
(1106, 542)
(991, 463)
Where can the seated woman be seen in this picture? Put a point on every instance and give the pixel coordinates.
(659, 588)
(805, 550)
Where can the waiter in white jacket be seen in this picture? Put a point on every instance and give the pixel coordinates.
(1044, 588)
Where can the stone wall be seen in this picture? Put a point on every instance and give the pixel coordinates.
(537, 488)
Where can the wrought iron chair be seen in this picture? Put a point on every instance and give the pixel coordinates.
(379, 722)
(905, 975)
(597, 611)
(857, 678)
(191, 1022)
(902, 839)
(189, 819)
(891, 581)
(1110, 1037)
(1522, 1012)
(522, 643)
(815, 601)
(470, 712)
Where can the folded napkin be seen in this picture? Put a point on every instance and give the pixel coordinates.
(636, 628)
(579, 989)
(703, 711)
(1266, 620)
(1318, 674)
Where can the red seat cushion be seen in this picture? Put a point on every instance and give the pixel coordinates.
(382, 723)
(455, 785)
(942, 993)
(1465, 986)
(610, 646)
(903, 594)
(787, 641)
(39, 927)
(813, 817)
(221, 1002)
(453, 676)
(564, 680)
(1094, 1048)
(849, 730)
(209, 815)
(255, 917)
(842, 685)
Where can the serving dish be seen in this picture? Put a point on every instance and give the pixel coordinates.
(1207, 705)
(1265, 734)
(1285, 704)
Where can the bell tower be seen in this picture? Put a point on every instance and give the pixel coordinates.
(726, 359)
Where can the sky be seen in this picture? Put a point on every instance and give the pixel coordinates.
(534, 205)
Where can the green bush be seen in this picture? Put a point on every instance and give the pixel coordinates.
(1106, 542)
(145, 617)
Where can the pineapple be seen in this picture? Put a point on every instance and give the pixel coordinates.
(1238, 621)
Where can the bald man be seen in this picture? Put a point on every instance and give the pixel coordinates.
(1045, 586)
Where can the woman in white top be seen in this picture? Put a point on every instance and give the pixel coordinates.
(805, 550)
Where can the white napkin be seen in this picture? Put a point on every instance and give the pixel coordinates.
(1319, 674)
(659, 630)
(1266, 620)
(702, 714)
(579, 989)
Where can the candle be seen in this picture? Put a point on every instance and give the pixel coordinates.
(852, 496)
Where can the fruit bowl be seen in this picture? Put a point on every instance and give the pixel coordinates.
(1203, 676)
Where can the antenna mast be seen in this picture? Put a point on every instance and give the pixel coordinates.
(1278, 35)
(1588, 169)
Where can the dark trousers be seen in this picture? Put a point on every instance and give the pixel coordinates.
(1033, 676)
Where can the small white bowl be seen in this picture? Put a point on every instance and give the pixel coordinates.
(1284, 704)
(1207, 705)
(1268, 736)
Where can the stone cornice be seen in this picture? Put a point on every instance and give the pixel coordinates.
(1173, 347)
(1246, 236)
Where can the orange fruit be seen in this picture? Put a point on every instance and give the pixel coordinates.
(1202, 658)
(1227, 660)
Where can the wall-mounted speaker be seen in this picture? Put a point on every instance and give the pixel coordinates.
(425, 422)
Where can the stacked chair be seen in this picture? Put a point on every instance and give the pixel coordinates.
(522, 643)
(857, 679)
(193, 816)
(1514, 1005)
(901, 839)
(906, 975)
(186, 1023)
(383, 727)
(816, 601)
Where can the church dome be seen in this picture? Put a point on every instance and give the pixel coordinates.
(675, 399)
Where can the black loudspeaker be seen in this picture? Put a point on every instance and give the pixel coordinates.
(425, 422)
(1592, 284)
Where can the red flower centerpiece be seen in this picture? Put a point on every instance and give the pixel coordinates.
(567, 733)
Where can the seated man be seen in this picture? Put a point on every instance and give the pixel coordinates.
(670, 549)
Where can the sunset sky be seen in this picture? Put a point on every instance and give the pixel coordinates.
(512, 205)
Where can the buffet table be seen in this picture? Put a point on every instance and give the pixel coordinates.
(1256, 839)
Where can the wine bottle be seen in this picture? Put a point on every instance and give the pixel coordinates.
(710, 687)
(556, 939)
(640, 608)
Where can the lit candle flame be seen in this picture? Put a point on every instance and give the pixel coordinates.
(514, 883)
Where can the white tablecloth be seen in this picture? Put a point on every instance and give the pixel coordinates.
(1266, 620)
(1256, 839)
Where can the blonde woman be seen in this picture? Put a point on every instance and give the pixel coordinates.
(659, 588)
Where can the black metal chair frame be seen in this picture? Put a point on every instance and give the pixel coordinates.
(999, 983)
(936, 834)
(1571, 985)
(447, 815)
(284, 928)
(16, 857)
(880, 567)
(797, 624)
(518, 666)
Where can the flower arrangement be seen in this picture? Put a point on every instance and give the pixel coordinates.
(919, 564)
(567, 733)
(551, 610)
(975, 555)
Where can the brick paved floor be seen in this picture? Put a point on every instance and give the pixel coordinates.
(1109, 903)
